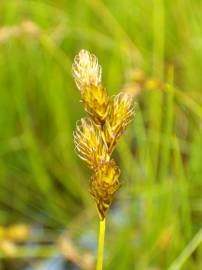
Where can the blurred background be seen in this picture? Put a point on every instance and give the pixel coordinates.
(151, 49)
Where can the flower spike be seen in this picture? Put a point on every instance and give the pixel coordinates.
(96, 136)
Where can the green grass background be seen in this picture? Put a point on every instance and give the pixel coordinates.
(155, 222)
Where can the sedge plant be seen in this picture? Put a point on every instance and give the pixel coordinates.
(97, 134)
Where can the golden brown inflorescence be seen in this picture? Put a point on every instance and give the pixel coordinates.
(96, 135)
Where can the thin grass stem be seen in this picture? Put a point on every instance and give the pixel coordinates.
(188, 250)
(101, 245)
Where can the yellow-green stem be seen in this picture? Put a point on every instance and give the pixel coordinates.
(101, 245)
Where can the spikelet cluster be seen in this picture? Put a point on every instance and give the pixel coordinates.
(96, 135)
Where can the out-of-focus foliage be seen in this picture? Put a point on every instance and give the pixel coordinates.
(152, 49)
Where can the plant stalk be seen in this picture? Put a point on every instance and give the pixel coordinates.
(101, 245)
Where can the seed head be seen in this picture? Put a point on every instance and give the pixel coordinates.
(95, 137)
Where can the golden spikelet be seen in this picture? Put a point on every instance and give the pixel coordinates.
(121, 112)
(103, 184)
(88, 75)
(86, 70)
(89, 143)
(96, 103)
(96, 137)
